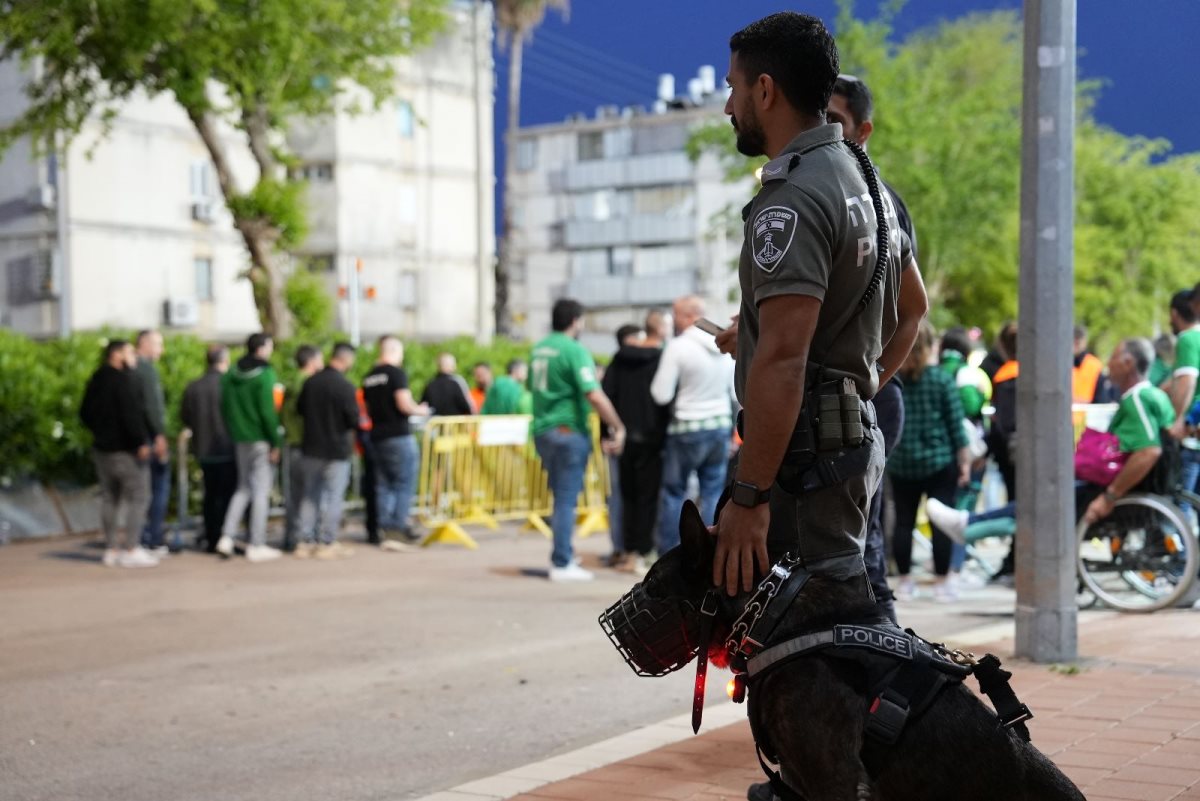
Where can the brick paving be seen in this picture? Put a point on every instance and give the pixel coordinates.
(1123, 723)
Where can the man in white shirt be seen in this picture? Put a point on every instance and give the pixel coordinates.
(698, 379)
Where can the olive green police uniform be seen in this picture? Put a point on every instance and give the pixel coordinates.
(811, 230)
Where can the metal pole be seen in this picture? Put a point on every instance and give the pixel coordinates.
(1046, 583)
(484, 317)
(355, 292)
(62, 238)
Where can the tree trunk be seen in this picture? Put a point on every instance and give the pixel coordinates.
(505, 256)
(266, 282)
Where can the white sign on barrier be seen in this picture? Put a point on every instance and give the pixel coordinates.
(503, 430)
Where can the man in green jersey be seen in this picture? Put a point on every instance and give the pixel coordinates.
(1183, 381)
(507, 394)
(562, 378)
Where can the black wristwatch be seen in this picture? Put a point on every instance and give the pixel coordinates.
(749, 495)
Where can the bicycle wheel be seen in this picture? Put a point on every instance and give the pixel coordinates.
(1141, 558)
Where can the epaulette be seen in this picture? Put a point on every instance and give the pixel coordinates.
(777, 169)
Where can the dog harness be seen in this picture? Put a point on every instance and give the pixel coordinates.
(905, 673)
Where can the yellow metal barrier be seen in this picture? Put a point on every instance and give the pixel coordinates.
(479, 470)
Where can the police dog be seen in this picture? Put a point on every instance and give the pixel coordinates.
(812, 709)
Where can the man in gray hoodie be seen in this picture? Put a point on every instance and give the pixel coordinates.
(698, 379)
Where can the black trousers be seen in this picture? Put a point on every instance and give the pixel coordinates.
(366, 489)
(889, 410)
(641, 465)
(220, 482)
(943, 485)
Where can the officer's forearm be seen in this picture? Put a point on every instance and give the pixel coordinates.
(911, 308)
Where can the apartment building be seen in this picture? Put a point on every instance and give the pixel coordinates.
(611, 211)
(129, 230)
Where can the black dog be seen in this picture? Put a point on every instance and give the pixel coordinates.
(812, 709)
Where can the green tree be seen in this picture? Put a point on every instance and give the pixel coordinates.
(250, 64)
(516, 20)
(948, 137)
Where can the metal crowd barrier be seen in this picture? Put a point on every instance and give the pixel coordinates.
(480, 470)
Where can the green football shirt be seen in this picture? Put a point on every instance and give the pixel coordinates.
(561, 374)
(1143, 412)
(1187, 357)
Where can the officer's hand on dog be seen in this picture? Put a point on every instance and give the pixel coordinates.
(727, 339)
(741, 542)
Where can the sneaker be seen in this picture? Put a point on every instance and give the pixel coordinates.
(225, 546)
(906, 590)
(951, 522)
(944, 592)
(395, 546)
(411, 535)
(304, 550)
(137, 557)
(160, 552)
(641, 566)
(262, 553)
(332, 550)
(111, 558)
(572, 572)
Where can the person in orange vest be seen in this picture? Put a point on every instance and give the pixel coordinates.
(482, 373)
(366, 481)
(1088, 382)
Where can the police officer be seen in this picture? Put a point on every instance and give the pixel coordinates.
(817, 304)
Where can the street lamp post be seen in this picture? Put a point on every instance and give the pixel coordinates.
(1045, 569)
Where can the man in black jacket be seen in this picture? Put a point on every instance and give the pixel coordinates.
(330, 411)
(200, 412)
(112, 410)
(447, 393)
(627, 384)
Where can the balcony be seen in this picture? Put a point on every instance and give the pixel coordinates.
(622, 290)
(657, 168)
(635, 230)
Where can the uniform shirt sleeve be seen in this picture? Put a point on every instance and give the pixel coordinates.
(791, 245)
(908, 254)
(1187, 356)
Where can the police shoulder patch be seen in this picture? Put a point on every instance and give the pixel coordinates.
(772, 233)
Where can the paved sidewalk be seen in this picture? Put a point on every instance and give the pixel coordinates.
(1123, 723)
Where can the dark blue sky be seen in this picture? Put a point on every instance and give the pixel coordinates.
(610, 52)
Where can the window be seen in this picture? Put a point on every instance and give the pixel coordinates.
(203, 182)
(320, 172)
(591, 146)
(659, 138)
(527, 151)
(671, 200)
(30, 279)
(406, 290)
(406, 121)
(204, 278)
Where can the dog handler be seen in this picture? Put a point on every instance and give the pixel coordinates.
(819, 303)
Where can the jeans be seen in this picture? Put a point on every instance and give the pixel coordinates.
(396, 462)
(325, 482)
(255, 476)
(616, 506)
(160, 494)
(564, 455)
(705, 453)
(293, 496)
(1189, 472)
(124, 482)
(220, 483)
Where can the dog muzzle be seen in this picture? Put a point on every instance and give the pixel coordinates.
(657, 636)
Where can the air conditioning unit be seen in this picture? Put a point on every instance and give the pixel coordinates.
(181, 312)
(204, 211)
(41, 197)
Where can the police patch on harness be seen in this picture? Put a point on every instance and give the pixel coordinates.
(773, 230)
(897, 645)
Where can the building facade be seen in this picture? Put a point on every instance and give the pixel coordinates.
(129, 230)
(611, 211)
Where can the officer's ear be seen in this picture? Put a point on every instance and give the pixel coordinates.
(697, 546)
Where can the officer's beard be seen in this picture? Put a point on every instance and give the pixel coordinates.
(751, 139)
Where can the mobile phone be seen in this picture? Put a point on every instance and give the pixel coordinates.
(708, 326)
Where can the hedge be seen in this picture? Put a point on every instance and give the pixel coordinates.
(42, 383)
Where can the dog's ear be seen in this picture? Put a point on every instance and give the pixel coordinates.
(697, 545)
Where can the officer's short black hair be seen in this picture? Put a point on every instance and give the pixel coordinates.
(564, 314)
(1181, 304)
(797, 52)
(305, 354)
(858, 97)
(956, 339)
(255, 342)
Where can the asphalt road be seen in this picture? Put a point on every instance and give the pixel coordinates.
(385, 676)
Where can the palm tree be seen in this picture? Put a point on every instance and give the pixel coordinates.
(515, 21)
